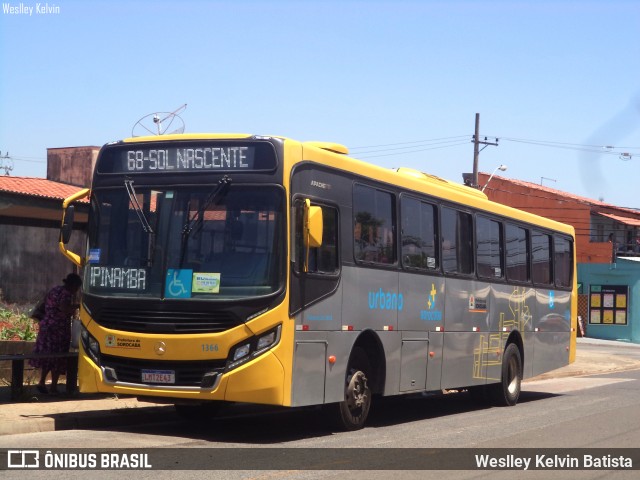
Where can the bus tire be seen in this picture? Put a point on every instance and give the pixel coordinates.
(507, 392)
(354, 409)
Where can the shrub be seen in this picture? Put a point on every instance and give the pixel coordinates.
(15, 324)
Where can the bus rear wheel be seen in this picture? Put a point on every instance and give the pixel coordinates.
(507, 392)
(354, 409)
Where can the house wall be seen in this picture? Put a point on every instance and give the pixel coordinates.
(623, 272)
(31, 262)
(72, 165)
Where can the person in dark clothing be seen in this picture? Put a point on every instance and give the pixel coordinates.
(54, 332)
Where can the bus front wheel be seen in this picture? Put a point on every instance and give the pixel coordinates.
(507, 392)
(354, 409)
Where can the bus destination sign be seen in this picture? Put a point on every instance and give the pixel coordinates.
(166, 158)
(185, 159)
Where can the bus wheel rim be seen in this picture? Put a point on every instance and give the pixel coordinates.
(513, 375)
(357, 391)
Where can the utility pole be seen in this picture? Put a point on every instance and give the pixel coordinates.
(8, 166)
(476, 150)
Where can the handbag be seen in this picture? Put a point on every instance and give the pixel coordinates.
(37, 312)
(76, 325)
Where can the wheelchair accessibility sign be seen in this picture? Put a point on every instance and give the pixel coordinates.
(178, 283)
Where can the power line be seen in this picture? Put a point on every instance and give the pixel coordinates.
(454, 144)
(551, 143)
(624, 152)
(30, 159)
(411, 146)
(410, 143)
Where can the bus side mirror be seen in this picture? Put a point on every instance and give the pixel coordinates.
(67, 225)
(312, 225)
(312, 230)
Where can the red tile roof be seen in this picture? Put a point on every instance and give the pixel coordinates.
(37, 187)
(560, 193)
(632, 222)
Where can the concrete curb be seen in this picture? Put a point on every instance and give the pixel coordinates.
(43, 414)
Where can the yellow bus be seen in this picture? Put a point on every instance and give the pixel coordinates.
(242, 268)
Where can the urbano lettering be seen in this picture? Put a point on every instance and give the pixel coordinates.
(382, 300)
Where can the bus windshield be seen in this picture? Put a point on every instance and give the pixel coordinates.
(218, 241)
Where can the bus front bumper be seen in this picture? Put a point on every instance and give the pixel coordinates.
(258, 381)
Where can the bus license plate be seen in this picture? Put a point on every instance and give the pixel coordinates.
(158, 376)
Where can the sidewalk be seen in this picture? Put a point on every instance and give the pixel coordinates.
(41, 413)
(591, 362)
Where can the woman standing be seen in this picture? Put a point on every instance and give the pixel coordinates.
(54, 332)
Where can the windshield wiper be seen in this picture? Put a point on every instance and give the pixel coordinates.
(213, 198)
(128, 184)
(146, 227)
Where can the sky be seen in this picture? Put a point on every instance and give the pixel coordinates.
(397, 82)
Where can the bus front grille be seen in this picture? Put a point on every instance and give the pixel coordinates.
(187, 373)
(167, 321)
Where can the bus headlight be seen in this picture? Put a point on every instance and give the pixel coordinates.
(241, 352)
(91, 345)
(253, 347)
(266, 341)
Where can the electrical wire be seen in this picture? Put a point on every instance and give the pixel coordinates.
(436, 140)
(388, 149)
(454, 144)
(27, 159)
(599, 149)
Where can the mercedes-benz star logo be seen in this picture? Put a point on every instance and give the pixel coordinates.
(160, 348)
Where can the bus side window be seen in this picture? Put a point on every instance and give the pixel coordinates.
(517, 253)
(541, 258)
(374, 225)
(563, 261)
(419, 234)
(457, 241)
(489, 247)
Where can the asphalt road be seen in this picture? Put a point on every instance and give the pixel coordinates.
(601, 411)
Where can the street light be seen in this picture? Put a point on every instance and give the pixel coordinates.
(502, 168)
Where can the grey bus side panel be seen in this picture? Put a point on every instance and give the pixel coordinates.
(479, 318)
(371, 298)
(553, 336)
(309, 372)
